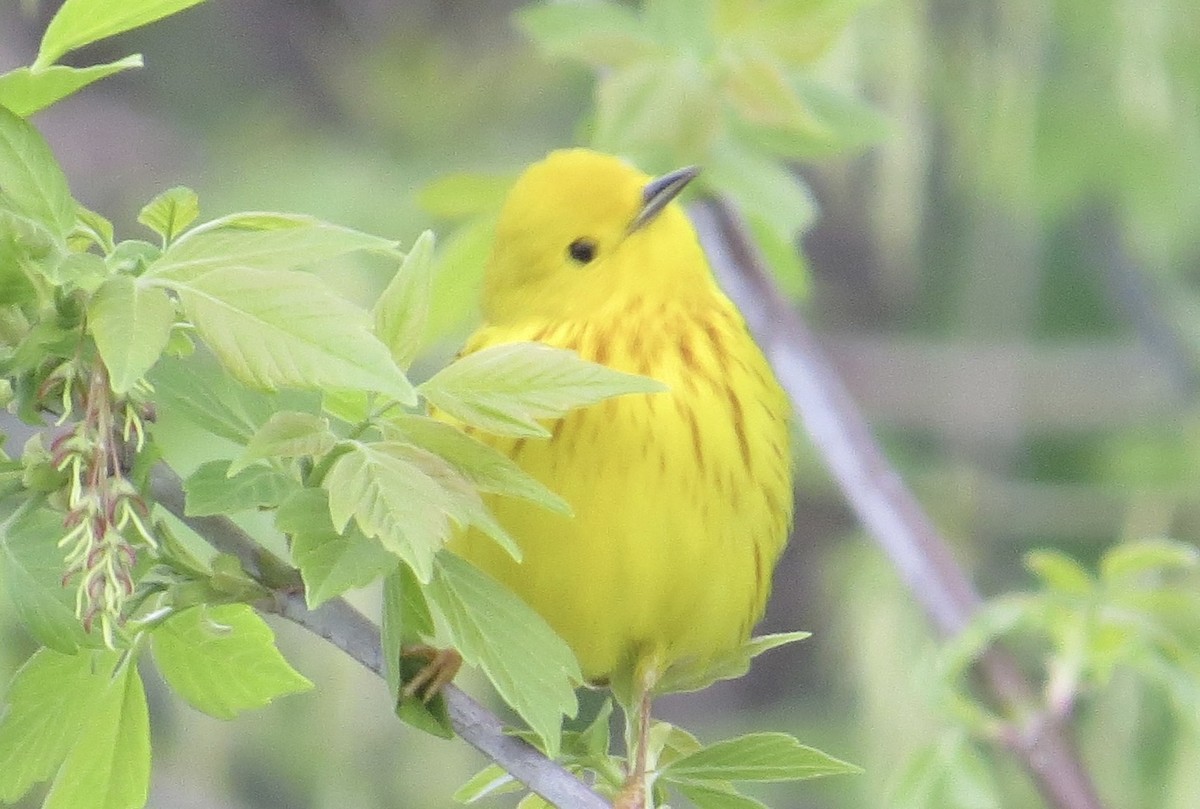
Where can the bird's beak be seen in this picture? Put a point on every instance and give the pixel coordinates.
(659, 192)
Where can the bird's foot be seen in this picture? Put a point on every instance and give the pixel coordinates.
(441, 665)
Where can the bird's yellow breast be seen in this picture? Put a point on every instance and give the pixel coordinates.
(682, 499)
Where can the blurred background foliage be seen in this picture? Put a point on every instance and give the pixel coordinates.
(1001, 252)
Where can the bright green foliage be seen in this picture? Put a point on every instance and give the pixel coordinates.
(402, 309)
(330, 562)
(223, 660)
(211, 489)
(82, 713)
(170, 213)
(1138, 613)
(531, 667)
(130, 323)
(504, 389)
(32, 576)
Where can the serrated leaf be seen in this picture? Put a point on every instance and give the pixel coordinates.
(601, 34)
(287, 329)
(223, 660)
(1060, 572)
(261, 241)
(403, 308)
(109, 765)
(718, 795)
(196, 389)
(532, 669)
(1129, 560)
(31, 568)
(756, 757)
(26, 90)
(170, 213)
(130, 323)
(391, 499)
(505, 388)
(486, 467)
(30, 177)
(49, 701)
(287, 435)
(330, 562)
(728, 666)
(81, 22)
(212, 490)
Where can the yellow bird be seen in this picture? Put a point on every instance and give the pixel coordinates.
(682, 500)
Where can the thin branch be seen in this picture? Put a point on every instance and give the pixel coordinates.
(339, 623)
(884, 505)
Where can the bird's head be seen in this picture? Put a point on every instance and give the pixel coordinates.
(581, 229)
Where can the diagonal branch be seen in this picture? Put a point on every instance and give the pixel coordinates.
(882, 502)
(338, 622)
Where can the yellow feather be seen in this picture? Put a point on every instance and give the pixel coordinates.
(682, 500)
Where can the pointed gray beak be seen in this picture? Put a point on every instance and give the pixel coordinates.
(659, 192)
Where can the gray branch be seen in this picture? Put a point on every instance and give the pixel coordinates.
(338, 622)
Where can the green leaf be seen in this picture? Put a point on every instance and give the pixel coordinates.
(287, 434)
(94, 228)
(196, 389)
(81, 22)
(491, 780)
(223, 660)
(330, 562)
(486, 467)
(406, 621)
(532, 669)
(718, 795)
(31, 568)
(504, 388)
(654, 107)
(392, 499)
(274, 329)
(403, 308)
(170, 213)
(212, 490)
(48, 703)
(601, 34)
(109, 765)
(1132, 560)
(759, 91)
(130, 323)
(762, 187)
(30, 178)
(729, 666)
(756, 757)
(1060, 572)
(261, 241)
(27, 90)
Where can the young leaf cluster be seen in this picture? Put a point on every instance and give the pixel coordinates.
(725, 84)
(1140, 611)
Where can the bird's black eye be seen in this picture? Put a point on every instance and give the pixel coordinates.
(582, 250)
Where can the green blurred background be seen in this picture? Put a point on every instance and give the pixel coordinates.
(1008, 277)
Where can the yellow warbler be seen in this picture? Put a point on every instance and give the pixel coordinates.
(682, 500)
